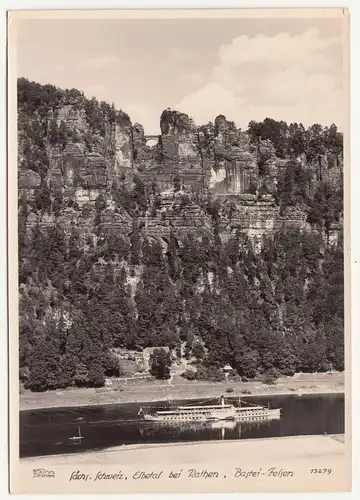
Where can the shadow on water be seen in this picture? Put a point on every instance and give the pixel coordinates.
(47, 432)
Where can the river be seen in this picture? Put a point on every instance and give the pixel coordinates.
(47, 431)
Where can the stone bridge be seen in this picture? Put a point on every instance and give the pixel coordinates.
(152, 138)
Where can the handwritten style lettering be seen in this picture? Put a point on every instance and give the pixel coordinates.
(271, 472)
(274, 472)
(204, 474)
(109, 477)
(147, 475)
(245, 474)
(79, 476)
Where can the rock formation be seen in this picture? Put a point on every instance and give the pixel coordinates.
(186, 162)
(234, 169)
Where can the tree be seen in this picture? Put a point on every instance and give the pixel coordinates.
(270, 376)
(42, 197)
(62, 136)
(139, 195)
(45, 368)
(270, 129)
(96, 374)
(325, 208)
(296, 140)
(177, 183)
(81, 377)
(198, 350)
(135, 243)
(160, 363)
(53, 132)
(58, 204)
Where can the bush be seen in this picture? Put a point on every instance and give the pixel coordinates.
(189, 375)
(288, 372)
(210, 373)
(269, 377)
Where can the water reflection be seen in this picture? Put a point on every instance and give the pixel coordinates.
(229, 429)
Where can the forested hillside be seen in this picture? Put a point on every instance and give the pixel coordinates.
(271, 305)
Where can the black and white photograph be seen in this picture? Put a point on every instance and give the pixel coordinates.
(177, 231)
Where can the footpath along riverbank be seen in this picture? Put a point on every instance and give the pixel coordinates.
(150, 392)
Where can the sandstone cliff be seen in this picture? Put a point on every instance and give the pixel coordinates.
(204, 232)
(89, 149)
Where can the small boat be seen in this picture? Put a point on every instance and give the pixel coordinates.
(209, 413)
(77, 438)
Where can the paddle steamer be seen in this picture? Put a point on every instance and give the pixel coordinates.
(211, 413)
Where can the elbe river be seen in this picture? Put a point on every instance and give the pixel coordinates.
(47, 432)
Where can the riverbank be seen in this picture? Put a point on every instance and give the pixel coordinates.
(284, 448)
(290, 447)
(288, 464)
(322, 383)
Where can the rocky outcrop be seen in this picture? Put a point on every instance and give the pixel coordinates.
(123, 145)
(234, 170)
(68, 219)
(178, 214)
(217, 159)
(114, 222)
(139, 143)
(186, 161)
(245, 213)
(73, 118)
(175, 161)
(75, 168)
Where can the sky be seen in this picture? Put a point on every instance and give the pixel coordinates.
(246, 69)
